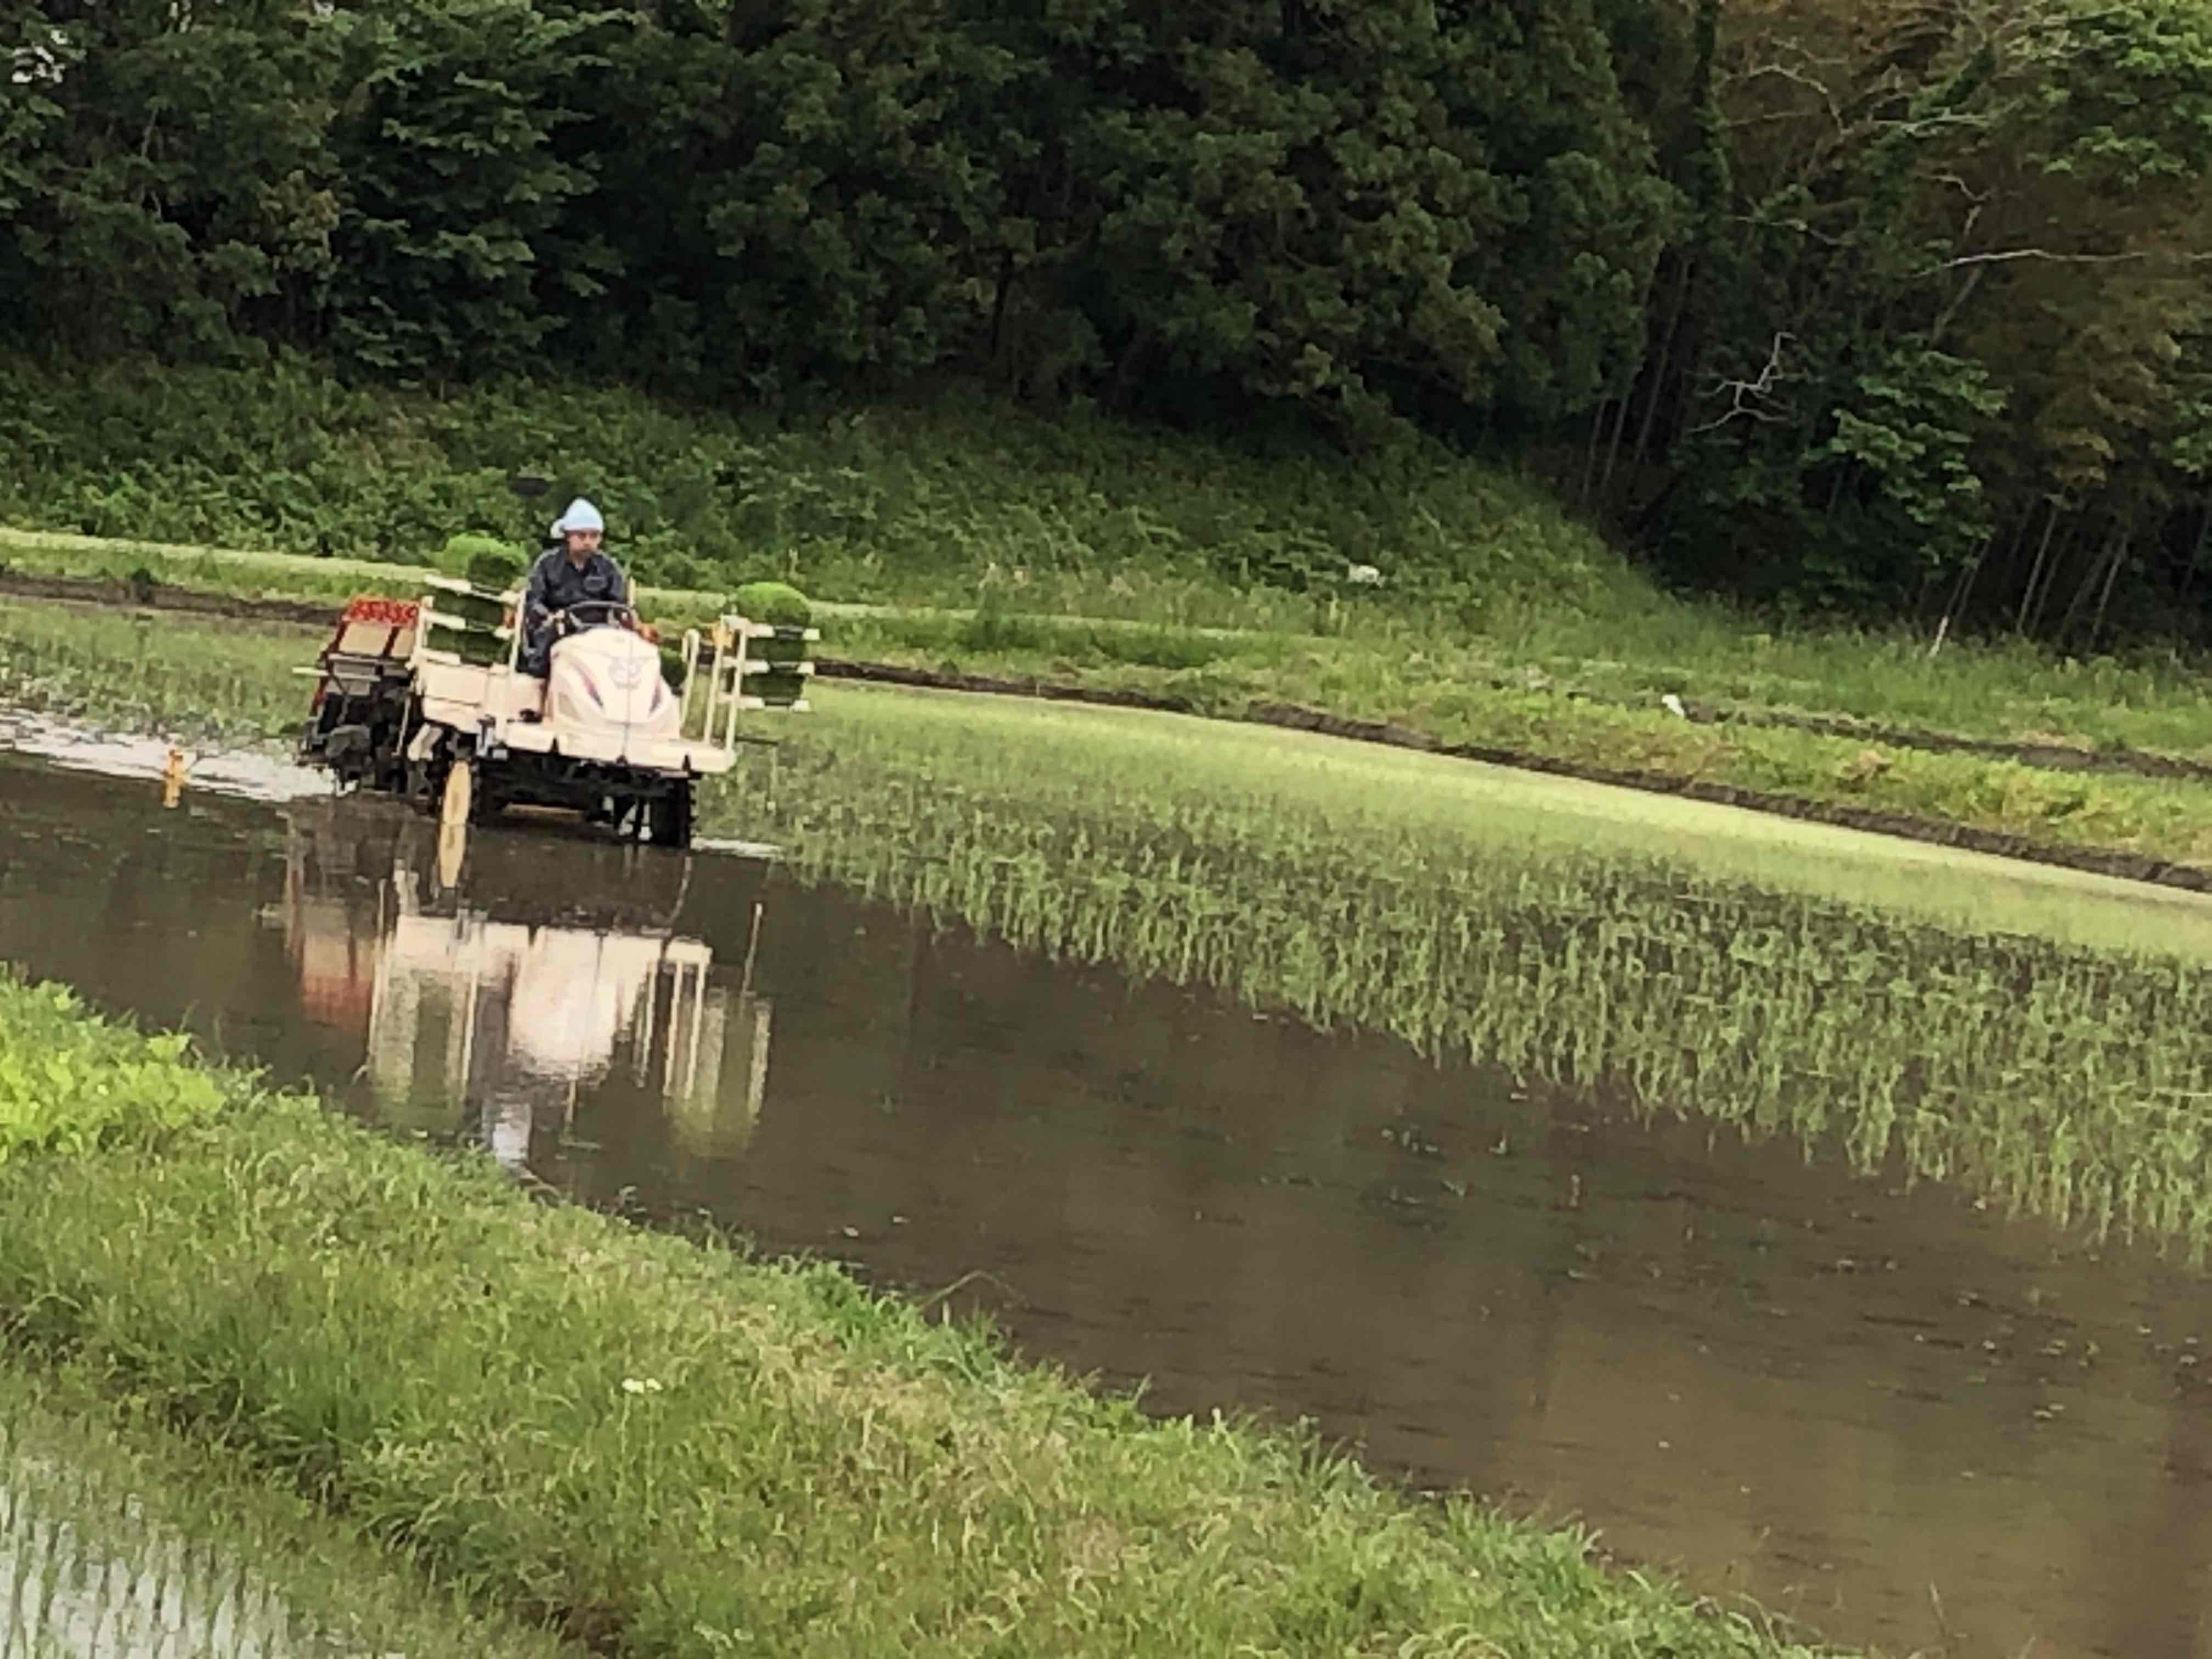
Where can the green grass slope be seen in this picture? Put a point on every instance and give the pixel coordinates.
(923, 502)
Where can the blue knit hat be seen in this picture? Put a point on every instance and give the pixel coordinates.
(580, 515)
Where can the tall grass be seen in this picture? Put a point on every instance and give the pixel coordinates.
(2038, 1044)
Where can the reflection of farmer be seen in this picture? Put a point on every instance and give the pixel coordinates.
(572, 572)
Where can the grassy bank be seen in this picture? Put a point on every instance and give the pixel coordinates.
(1620, 644)
(667, 1447)
(910, 502)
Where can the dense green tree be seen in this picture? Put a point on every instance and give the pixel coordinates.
(1945, 353)
(166, 182)
(455, 235)
(1881, 306)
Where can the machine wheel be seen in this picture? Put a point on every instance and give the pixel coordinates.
(668, 818)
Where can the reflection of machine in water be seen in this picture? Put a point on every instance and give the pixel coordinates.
(547, 977)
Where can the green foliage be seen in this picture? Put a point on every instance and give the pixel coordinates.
(1922, 413)
(1346, 213)
(1876, 309)
(927, 499)
(69, 1084)
(172, 185)
(472, 93)
(1957, 306)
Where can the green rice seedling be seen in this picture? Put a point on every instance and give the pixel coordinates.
(2031, 1039)
(785, 609)
(181, 678)
(491, 560)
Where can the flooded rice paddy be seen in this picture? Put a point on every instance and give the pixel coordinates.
(1895, 1325)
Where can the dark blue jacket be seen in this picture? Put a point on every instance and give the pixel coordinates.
(556, 584)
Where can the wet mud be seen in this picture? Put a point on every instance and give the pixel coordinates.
(1900, 1418)
(146, 594)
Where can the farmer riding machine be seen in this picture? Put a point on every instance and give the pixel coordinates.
(428, 698)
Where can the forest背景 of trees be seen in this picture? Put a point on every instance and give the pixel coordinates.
(1895, 307)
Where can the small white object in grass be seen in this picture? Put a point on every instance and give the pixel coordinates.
(1673, 705)
(640, 1385)
(1363, 576)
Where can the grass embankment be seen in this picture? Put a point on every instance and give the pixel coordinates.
(1086, 552)
(665, 1446)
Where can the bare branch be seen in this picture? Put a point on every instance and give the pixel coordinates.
(1954, 305)
(1741, 392)
(1797, 77)
(2005, 256)
(1977, 197)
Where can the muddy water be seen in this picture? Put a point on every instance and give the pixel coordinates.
(1905, 1420)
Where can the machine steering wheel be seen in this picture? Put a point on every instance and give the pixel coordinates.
(602, 613)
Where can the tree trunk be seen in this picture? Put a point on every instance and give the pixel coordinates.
(1659, 368)
(2111, 574)
(999, 315)
(2035, 571)
(2107, 556)
(1589, 455)
(2051, 581)
(2196, 553)
(1627, 393)
(1964, 585)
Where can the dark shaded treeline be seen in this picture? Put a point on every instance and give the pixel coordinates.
(1894, 307)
